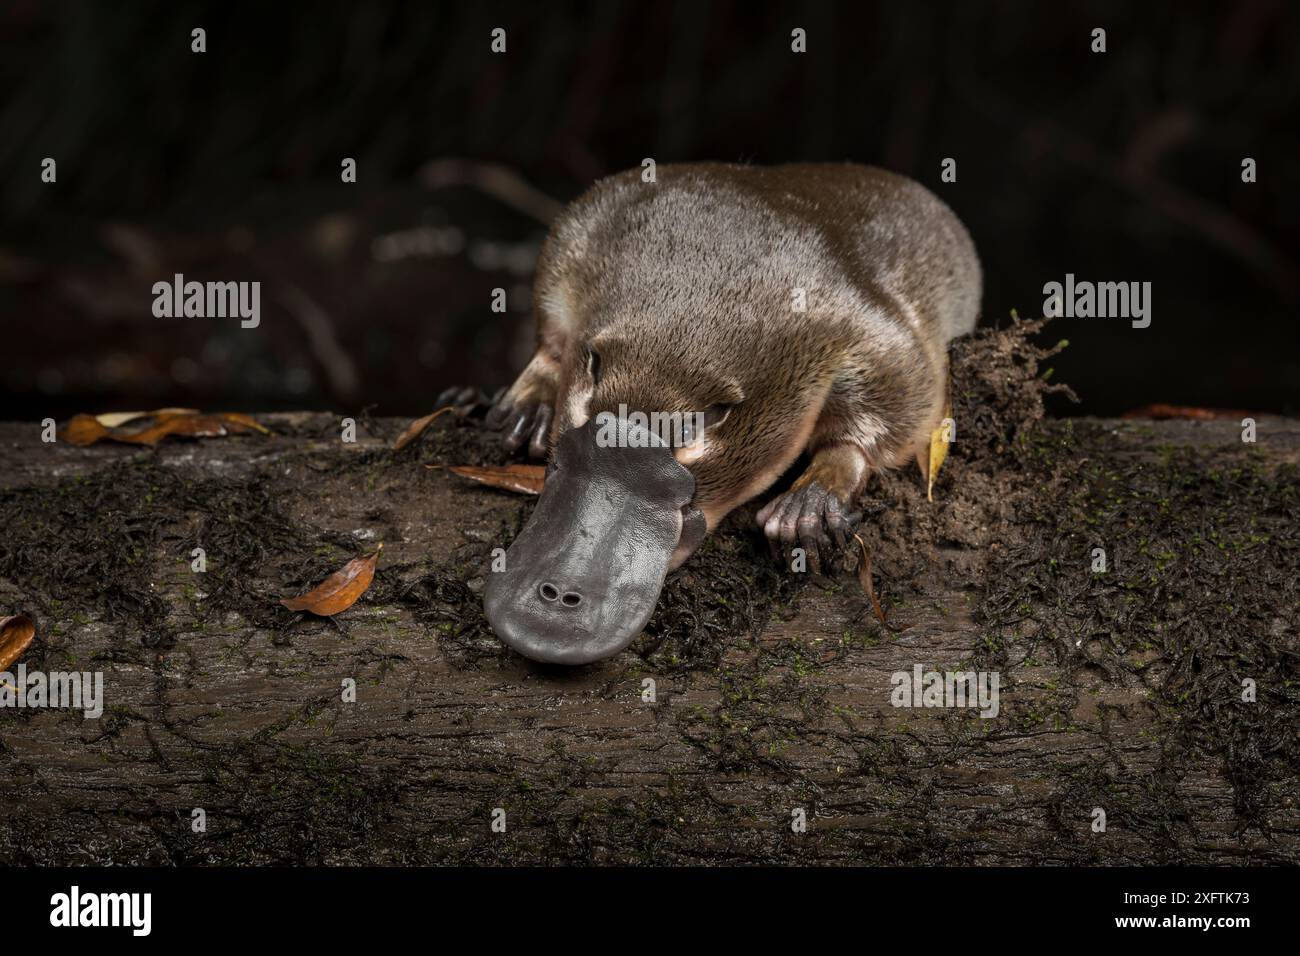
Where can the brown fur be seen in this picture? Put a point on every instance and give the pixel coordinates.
(685, 287)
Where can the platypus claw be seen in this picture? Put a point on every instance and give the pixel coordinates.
(808, 517)
(523, 423)
(462, 398)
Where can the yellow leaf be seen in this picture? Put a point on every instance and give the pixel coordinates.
(939, 439)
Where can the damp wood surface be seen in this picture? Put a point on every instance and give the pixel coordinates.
(772, 690)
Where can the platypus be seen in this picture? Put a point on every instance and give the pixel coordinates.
(777, 311)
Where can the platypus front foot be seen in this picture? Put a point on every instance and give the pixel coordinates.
(523, 423)
(463, 398)
(526, 409)
(807, 517)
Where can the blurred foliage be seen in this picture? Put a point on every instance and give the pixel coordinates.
(1120, 166)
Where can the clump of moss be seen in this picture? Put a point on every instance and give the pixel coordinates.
(998, 391)
(724, 595)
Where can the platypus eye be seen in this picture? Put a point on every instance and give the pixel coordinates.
(713, 415)
(593, 365)
(716, 414)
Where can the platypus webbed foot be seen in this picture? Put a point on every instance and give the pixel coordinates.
(808, 517)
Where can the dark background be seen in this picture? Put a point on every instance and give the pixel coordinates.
(1122, 166)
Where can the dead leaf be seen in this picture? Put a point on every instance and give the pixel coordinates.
(864, 578)
(189, 426)
(153, 427)
(83, 430)
(118, 419)
(15, 634)
(239, 422)
(1188, 412)
(939, 439)
(416, 428)
(340, 590)
(525, 479)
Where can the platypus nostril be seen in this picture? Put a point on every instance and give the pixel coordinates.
(548, 591)
(571, 599)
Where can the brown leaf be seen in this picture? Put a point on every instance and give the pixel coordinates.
(864, 578)
(525, 479)
(152, 427)
(340, 590)
(416, 428)
(190, 426)
(84, 430)
(15, 634)
(118, 419)
(1188, 412)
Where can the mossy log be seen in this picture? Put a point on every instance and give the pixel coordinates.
(1119, 691)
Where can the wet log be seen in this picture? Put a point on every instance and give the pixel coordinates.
(756, 722)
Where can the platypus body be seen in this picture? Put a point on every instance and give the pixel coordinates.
(779, 311)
